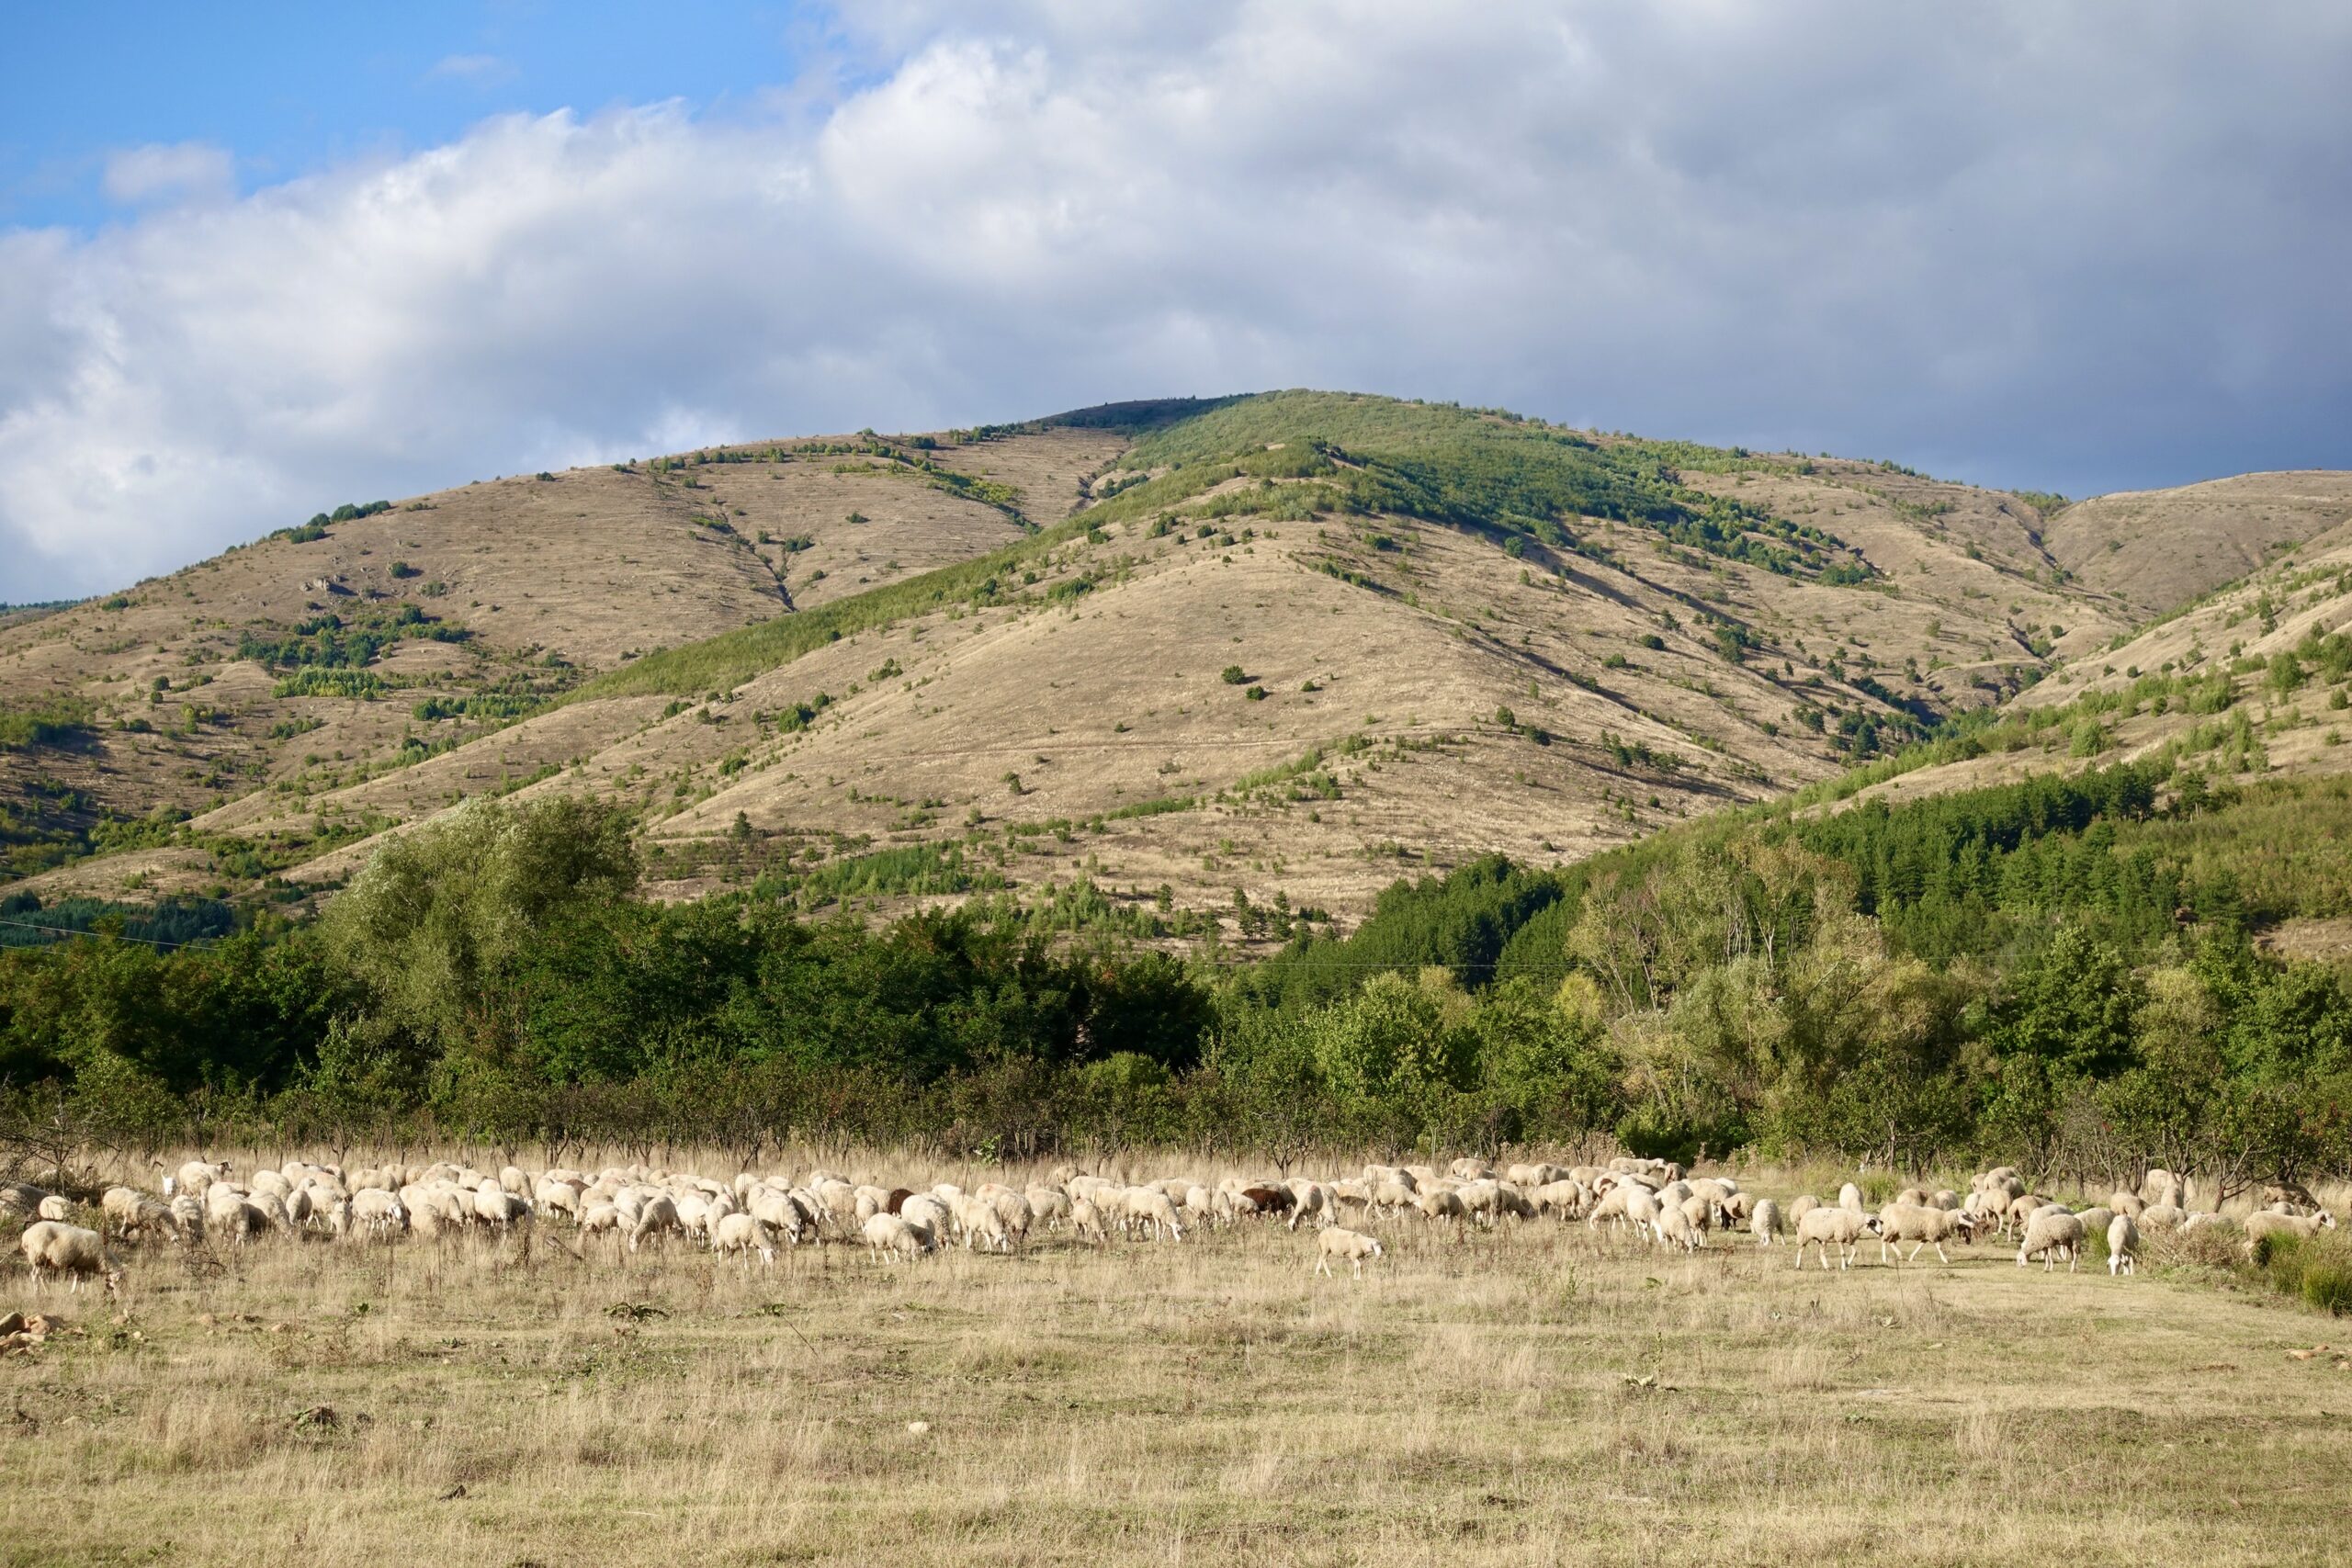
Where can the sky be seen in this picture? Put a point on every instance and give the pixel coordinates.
(257, 261)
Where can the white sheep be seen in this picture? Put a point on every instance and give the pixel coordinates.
(2305, 1225)
(1336, 1242)
(1675, 1224)
(379, 1211)
(741, 1235)
(1923, 1227)
(2122, 1244)
(2048, 1235)
(1840, 1225)
(655, 1215)
(52, 1247)
(890, 1237)
(1765, 1221)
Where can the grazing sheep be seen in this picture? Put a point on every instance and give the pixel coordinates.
(2124, 1202)
(1086, 1221)
(1438, 1204)
(2305, 1225)
(1849, 1197)
(2163, 1217)
(56, 1207)
(1148, 1206)
(1840, 1225)
(740, 1235)
(2050, 1235)
(655, 1215)
(2122, 1244)
(1923, 1227)
(1804, 1203)
(52, 1247)
(891, 1238)
(188, 1219)
(379, 1211)
(1674, 1225)
(1050, 1206)
(2095, 1219)
(1353, 1246)
(1765, 1221)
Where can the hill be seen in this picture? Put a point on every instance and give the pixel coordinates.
(1245, 659)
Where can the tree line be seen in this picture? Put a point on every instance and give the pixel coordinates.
(2061, 974)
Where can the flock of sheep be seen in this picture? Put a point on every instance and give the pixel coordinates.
(751, 1216)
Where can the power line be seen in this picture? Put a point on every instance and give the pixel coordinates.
(117, 936)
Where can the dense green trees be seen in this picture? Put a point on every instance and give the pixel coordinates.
(2058, 973)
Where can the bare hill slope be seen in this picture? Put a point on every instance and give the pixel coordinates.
(1289, 645)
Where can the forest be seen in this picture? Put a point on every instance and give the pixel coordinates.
(2066, 974)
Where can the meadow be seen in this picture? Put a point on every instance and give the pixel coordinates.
(1538, 1393)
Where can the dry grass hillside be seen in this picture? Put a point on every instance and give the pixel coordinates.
(2158, 548)
(1291, 646)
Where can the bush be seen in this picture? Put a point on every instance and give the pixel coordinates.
(1234, 675)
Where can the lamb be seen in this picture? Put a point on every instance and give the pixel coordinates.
(1844, 1226)
(2122, 1244)
(892, 1238)
(1765, 1221)
(1086, 1221)
(2048, 1235)
(1353, 1246)
(1923, 1227)
(52, 1247)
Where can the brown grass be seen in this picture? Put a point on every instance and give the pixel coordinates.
(1534, 1395)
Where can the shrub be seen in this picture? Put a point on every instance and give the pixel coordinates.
(1233, 675)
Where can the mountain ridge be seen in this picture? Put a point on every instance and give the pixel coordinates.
(1204, 654)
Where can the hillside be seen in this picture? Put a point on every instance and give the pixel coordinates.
(1287, 646)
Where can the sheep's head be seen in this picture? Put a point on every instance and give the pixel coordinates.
(2326, 1220)
(1873, 1225)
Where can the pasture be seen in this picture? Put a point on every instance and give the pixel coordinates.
(1535, 1394)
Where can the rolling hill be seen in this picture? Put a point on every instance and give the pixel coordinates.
(1172, 661)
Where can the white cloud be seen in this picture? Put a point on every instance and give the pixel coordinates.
(2009, 242)
(169, 171)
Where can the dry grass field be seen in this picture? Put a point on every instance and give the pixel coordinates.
(1534, 1395)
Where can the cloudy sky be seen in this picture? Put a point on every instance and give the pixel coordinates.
(250, 271)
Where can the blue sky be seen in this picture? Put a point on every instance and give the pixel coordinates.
(289, 89)
(255, 261)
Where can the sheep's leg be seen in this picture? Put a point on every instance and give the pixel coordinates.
(1322, 1267)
